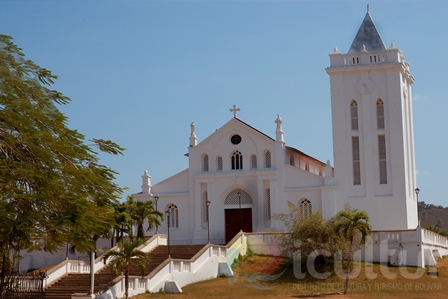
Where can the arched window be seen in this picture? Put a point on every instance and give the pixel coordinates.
(354, 114)
(267, 159)
(219, 163)
(267, 204)
(204, 207)
(238, 196)
(237, 160)
(174, 216)
(205, 162)
(291, 161)
(305, 207)
(380, 114)
(253, 162)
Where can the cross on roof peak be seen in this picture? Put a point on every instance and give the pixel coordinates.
(234, 110)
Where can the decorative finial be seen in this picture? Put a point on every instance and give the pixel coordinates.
(234, 110)
(193, 138)
(279, 131)
(279, 122)
(368, 7)
(336, 50)
(392, 45)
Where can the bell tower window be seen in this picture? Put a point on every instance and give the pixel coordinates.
(380, 114)
(356, 161)
(354, 114)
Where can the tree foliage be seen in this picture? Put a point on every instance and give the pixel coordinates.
(354, 226)
(124, 257)
(141, 211)
(338, 236)
(52, 185)
(122, 222)
(307, 234)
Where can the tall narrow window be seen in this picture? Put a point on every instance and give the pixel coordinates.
(174, 216)
(356, 161)
(219, 163)
(267, 159)
(305, 208)
(380, 114)
(204, 207)
(291, 161)
(237, 160)
(354, 114)
(267, 204)
(382, 159)
(205, 163)
(253, 161)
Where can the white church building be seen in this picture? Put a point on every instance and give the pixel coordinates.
(247, 176)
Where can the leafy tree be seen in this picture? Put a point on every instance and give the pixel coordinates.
(124, 257)
(308, 233)
(122, 222)
(51, 183)
(351, 225)
(141, 211)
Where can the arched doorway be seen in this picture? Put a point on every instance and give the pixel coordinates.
(238, 213)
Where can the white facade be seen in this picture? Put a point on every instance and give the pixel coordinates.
(377, 83)
(374, 163)
(270, 174)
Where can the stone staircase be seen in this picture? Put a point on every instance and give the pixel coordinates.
(80, 283)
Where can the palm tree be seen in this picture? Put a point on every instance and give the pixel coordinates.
(122, 222)
(353, 223)
(141, 211)
(126, 255)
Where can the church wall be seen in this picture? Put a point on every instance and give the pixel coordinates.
(394, 200)
(178, 183)
(181, 233)
(219, 187)
(218, 183)
(385, 212)
(219, 144)
(295, 177)
(295, 196)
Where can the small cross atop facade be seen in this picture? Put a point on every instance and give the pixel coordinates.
(234, 110)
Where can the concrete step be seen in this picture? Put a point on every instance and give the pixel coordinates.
(79, 283)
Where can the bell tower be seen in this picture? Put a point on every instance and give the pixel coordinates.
(373, 138)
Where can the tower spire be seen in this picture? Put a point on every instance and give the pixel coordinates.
(367, 35)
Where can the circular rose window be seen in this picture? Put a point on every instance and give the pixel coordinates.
(236, 139)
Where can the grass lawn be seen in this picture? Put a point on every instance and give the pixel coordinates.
(270, 277)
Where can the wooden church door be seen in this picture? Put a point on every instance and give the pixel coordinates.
(236, 220)
(238, 213)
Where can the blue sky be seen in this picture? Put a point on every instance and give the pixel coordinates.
(139, 72)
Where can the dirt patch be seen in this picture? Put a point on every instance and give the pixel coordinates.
(262, 264)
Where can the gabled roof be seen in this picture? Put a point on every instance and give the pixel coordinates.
(254, 128)
(367, 36)
(303, 154)
(240, 121)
